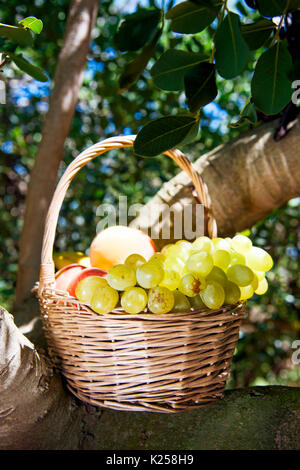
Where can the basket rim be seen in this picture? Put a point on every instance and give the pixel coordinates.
(236, 310)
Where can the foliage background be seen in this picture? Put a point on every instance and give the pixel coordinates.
(264, 351)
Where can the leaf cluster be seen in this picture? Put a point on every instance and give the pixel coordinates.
(236, 41)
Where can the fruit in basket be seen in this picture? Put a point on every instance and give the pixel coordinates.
(203, 244)
(149, 275)
(221, 259)
(200, 262)
(213, 295)
(184, 276)
(135, 260)
(160, 300)
(171, 279)
(66, 258)
(232, 293)
(191, 284)
(86, 272)
(114, 244)
(240, 275)
(181, 302)
(66, 275)
(196, 302)
(104, 299)
(217, 274)
(121, 276)
(258, 259)
(241, 244)
(86, 287)
(262, 287)
(134, 300)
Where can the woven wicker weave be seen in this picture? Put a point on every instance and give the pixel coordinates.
(148, 362)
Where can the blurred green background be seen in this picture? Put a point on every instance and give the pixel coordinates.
(264, 352)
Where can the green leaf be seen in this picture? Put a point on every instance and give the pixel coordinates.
(163, 134)
(270, 86)
(32, 23)
(137, 29)
(20, 36)
(192, 135)
(209, 4)
(200, 86)
(169, 71)
(189, 17)
(232, 52)
(134, 69)
(271, 7)
(256, 34)
(27, 67)
(248, 114)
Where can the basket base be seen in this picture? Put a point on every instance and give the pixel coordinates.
(159, 407)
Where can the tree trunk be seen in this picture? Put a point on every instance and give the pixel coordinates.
(247, 178)
(67, 82)
(37, 413)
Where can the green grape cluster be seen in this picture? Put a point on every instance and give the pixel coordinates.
(206, 273)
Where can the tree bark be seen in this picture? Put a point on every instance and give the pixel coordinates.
(247, 178)
(37, 413)
(67, 82)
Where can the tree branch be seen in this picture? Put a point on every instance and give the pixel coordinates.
(37, 413)
(67, 82)
(247, 179)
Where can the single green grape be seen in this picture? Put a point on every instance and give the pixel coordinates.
(221, 258)
(240, 275)
(181, 302)
(201, 263)
(134, 300)
(260, 275)
(246, 292)
(221, 244)
(86, 287)
(149, 275)
(157, 258)
(196, 302)
(191, 284)
(171, 279)
(121, 276)
(178, 252)
(104, 300)
(258, 259)
(213, 295)
(262, 287)
(232, 293)
(135, 260)
(164, 250)
(237, 258)
(174, 264)
(217, 274)
(241, 244)
(160, 300)
(203, 244)
(186, 245)
(255, 282)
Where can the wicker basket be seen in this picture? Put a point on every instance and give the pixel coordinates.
(165, 363)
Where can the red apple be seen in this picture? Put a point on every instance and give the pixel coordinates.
(66, 275)
(83, 274)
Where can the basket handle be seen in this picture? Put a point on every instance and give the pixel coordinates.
(47, 271)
